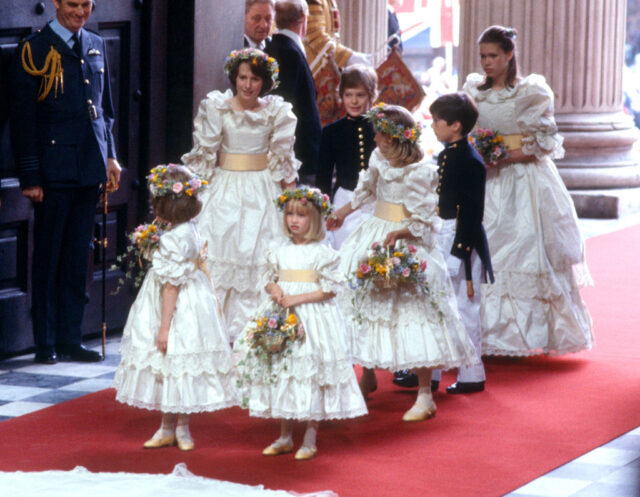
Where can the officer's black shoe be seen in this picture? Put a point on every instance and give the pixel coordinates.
(466, 387)
(405, 378)
(78, 353)
(45, 357)
(434, 385)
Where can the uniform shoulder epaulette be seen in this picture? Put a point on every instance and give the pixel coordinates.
(32, 36)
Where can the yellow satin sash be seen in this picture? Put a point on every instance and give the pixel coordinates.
(390, 212)
(243, 162)
(301, 275)
(512, 142)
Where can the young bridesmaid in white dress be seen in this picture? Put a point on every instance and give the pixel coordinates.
(175, 350)
(315, 381)
(243, 144)
(536, 247)
(400, 328)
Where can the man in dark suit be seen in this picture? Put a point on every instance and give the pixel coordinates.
(61, 119)
(296, 83)
(258, 22)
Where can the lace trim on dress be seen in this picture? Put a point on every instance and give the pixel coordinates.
(283, 168)
(493, 351)
(527, 286)
(240, 277)
(193, 364)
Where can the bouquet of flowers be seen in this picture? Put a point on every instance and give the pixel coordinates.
(270, 333)
(143, 241)
(273, 330)
(390, 268)
(489, 144)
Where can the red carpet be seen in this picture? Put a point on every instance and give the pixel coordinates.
(537, 414)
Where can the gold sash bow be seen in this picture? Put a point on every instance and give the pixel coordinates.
(200, 262)
(299, 275)
(243, 162)
(391, 212)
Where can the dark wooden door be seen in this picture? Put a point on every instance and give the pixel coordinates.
(120, 23)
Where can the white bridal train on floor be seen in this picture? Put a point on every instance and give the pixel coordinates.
(80, 481)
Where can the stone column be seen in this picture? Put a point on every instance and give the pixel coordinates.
(578, 45)
(218, 29)
(363, 27)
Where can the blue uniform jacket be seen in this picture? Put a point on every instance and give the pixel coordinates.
(462, 177)
(62, 141)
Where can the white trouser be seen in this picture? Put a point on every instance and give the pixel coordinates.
(341, 197)
(469, 308)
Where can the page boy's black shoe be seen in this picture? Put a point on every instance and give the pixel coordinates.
(466, 387)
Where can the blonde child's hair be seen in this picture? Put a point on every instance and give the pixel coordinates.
(316, 231)
(405, 152)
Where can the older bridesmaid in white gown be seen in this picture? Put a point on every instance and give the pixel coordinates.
(536, 247)
(243, 144)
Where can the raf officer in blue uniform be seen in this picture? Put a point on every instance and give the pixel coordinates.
(61, 120)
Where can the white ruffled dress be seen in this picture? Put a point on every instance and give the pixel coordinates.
(196, 373)
(238, 218)
(536, 247)
(400, 328)
(316, 381)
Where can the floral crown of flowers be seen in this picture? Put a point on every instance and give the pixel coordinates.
(382, 124)
(253, 56)
(306, 194)
(160, 184)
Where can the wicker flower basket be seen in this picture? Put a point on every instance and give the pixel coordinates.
(272, 343)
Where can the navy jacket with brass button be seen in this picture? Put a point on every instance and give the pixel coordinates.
(461, 185)
(65, 139)
(345, 147)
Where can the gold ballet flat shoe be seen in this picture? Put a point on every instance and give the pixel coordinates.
(186, 445)
(305, 453)
(277, 448)
(419, 413)
(156, 443)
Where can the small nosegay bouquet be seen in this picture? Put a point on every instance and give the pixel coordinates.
(143, 241)
(490, 144)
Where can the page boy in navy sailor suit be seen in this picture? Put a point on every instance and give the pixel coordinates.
(462, 240)
(61, 119)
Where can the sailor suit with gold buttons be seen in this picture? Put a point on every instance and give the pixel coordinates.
(61, 119)
(463, 242)
(345, 149)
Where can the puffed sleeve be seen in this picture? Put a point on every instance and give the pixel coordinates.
(471, 85)
(534, 108)
(207, 135)
(367, 182)
(170, 262)
(421, 201)
(282, 160)
(331, 279)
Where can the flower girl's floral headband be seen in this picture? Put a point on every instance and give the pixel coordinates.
(306, 194)
(160, 184)
(382, 124)
(255, 57)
